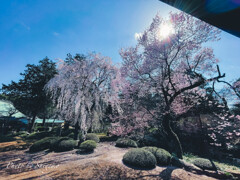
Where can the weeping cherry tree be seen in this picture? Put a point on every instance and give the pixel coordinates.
(84, 87)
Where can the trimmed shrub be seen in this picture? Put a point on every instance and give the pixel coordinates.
(66, 145)
(71, 135)
(20, 133)
(162, 156)
(55, 142)
(88, 145)
(124, 142)
(39, 135)
(104, 137)
(204, 164)
(25, 135)
(92, 136)
(42, 144)
(140, 158)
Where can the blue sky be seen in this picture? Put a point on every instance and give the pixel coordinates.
(33, 29)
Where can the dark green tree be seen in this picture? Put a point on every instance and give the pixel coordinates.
(28, 95)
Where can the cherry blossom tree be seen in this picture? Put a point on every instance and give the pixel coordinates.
(82, 88)
(232, 88)
(136, 116)
(236, 87)
(172, 67)
(221, 128)
(225, 132)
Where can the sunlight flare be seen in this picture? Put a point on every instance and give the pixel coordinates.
(165, 31)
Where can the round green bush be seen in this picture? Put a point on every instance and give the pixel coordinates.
(88, 145)
(66, 145)
(92, 136)
(124, 142)
(204, 164)
(54, 145)
(42, 144)
(162, 156)
(140, 158)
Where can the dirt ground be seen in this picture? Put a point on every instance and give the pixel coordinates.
(104, 163)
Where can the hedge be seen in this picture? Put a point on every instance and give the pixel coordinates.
(66, 145)
(42, 144)
(125, 142)
(88, 145)
(54, 145)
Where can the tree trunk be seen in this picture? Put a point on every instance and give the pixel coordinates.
(44, 121)
(90, 130)
(30, 125)
(53, 123)
(4, 127)
(204, 145)
(76, 131)
(83, 135)
(173, 138)
(2, 132)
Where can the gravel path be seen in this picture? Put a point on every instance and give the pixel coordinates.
(104, 163)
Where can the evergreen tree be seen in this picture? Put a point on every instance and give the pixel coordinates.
(28, 94)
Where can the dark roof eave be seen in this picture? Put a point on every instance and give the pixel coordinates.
(227, 21)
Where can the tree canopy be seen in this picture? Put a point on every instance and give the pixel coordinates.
(28, 95)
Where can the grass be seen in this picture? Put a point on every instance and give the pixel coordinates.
(104, 137)
(224, 165)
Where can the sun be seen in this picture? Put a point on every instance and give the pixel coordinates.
(165, 30)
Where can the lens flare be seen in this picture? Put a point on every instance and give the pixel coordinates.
(165, 31)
